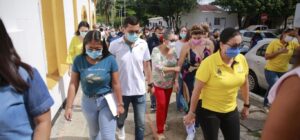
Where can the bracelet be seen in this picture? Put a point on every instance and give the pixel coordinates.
(247, 105)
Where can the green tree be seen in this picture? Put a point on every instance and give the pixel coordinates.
(104, 8)
(170, 10)
(251, 8)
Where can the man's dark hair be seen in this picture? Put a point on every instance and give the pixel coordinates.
(132, 20)
(158, 28)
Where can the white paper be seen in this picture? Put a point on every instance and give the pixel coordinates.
(112, 103)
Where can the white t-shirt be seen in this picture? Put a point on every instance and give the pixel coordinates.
(273, 92)
(178, 46)
(130, 62)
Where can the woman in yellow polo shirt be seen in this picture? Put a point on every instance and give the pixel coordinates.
(218, 80)
(278, 55)
(75, 47)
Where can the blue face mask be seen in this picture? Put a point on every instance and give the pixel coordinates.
(232, 52)
(93, 54)
(183, 35)
(132, 37)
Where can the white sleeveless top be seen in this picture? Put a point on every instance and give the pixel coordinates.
(273, 91)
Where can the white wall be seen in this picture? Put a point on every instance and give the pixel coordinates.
(69, 20)
(80, 4)
(23, 22)
(196, 17)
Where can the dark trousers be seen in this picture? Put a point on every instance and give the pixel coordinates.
(211, 121)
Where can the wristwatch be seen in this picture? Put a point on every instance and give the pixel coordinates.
(247, 105)
(150, 85)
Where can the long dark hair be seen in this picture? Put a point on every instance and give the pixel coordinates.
(82, 24)
(95, 36)
(10, 62)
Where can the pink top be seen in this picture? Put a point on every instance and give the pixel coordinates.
(273, 91)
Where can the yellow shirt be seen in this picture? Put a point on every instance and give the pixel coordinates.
(221, 82)
(280, 62)
(74, 49)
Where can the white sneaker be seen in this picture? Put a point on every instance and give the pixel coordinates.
(121, 133)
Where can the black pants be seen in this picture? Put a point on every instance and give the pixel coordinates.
(211, 121)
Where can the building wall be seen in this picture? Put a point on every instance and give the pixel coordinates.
(41, 31)
(196, 17)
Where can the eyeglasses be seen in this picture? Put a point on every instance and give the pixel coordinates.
(235, 46)
(172, 40)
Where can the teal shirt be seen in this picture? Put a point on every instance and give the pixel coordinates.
(95, 79)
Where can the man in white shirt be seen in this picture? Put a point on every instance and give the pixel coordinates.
(133, 58)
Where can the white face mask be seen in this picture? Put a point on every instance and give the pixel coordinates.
(82, 34)
(112, 33)
(171, 45)
(288, 38)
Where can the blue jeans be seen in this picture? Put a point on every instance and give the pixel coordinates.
(179, 96)
(139, 109)
(271, 77)
(101, 122)
(153, 100)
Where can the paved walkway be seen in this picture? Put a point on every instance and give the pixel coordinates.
(77, 129)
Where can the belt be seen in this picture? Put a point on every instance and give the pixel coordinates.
(97, 95)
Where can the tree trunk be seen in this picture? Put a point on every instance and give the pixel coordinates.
(285, 21)
(239, 20)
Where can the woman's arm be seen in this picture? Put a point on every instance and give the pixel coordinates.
(183, 54)
(73, 87)
(117, 90)
(245, 96)
(283, 120)
(42, 126)
(190, 117)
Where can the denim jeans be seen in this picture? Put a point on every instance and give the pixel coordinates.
(153, 100)
(139, 109)
(179, 96)
(101, 122)
(271, 77)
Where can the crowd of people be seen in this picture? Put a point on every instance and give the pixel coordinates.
(118, 67)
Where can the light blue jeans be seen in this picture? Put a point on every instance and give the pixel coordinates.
(101, 123)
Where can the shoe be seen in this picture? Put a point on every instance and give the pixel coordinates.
(153, 108)
(266, 109)
(121, 133)
(161, 137)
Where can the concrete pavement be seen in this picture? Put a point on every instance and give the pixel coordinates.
(77, 129)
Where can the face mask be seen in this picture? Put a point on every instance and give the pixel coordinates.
(232, 52)
(196, 42)
(288, 38)
(182, 35)
(132, 37)
(147, 34)
(93, 54)
(171, 45)
(82, 34)
(112, 33)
